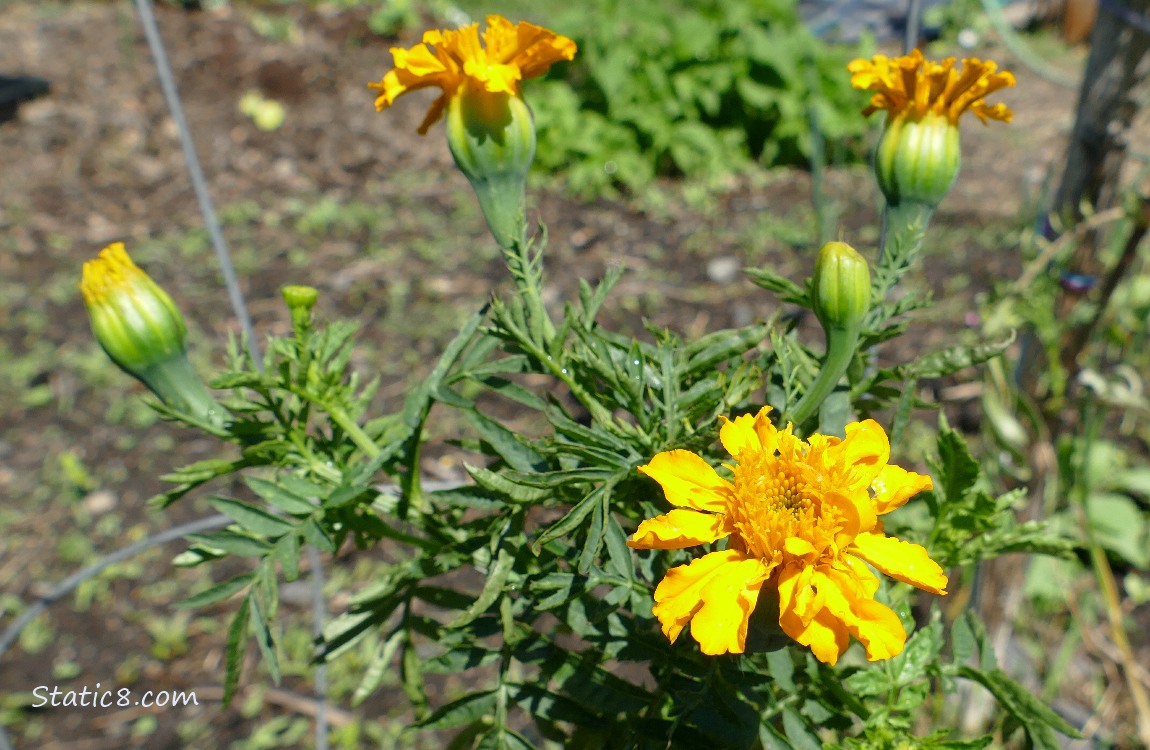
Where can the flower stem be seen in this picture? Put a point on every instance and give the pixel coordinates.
(840, 351)
(904, 228)
(177, 385)
(353, 430)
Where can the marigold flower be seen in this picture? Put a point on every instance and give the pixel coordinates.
(799, 516)
(917, 159)
(489, 126)
(458, 62)
(911, 86)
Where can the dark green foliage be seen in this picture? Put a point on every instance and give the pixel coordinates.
(691, 88)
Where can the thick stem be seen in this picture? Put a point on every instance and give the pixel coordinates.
(528, 275)
(840, 351)
(353, 430)
(905, 228)
(180, 388)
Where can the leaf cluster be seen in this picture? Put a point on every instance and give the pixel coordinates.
(691, 88)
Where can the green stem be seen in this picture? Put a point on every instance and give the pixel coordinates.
(840, 351)
(528, 275)
(180, 388)
(904, 228)
(349, 426)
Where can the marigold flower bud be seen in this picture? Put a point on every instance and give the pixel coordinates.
(142, 331)
(917, 160)
(492, 137)
(841, 287)
(917, 157)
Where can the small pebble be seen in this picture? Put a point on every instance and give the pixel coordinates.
(723, 270)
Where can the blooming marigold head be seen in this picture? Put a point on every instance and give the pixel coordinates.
(911, 86)
(456, 61)
(799, 516)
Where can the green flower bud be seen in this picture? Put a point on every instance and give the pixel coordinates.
(142, 331)
(841, 288)
(300, 297)
(917, 160)
(492, 137)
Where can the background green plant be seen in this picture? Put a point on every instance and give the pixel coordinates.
(696, 89)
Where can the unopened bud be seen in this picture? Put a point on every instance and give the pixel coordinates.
(143, 332)
(841, 288)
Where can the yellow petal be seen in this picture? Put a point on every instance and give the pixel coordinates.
(688, 481)
(865, 448)
(826, 636)
(903, 561)
(738, 435)
(680, 528)
(875, 625)
(729, 598)
(679, 595)
(895, 485)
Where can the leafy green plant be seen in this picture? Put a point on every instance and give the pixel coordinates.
(697, 89)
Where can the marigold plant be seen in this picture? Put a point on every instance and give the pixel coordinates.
(522, 584)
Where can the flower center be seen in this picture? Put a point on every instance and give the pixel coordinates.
(777, 499)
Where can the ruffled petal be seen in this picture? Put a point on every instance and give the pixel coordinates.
(903, 561)
(738, 435)
(895, 485)
(817, 629)
(865, 449)
(688, 481)
(680, 528)
(875, 625)
(679, 595)
(729, 598)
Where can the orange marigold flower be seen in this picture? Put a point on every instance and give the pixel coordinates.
(800, 516)
(456, 60)
(911, 86)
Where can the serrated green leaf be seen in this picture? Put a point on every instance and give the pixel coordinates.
(377, 667)
(506, 444)
(281, 498)
(619, 560)
(232, 543)
(571, 521)
(787, 290)
(1038, 720)
(492, 589)
(317, 536)
(264, 639)
(465, 710)
(798, 734)
(252, 519)
(236, 645)
(286, 552)
(495, 482)
(949, 361)
(216, 593)
(957, 469)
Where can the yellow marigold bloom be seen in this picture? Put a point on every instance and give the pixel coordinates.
(917, 158)
(798, 516)
(457, 61)
(911, 86)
